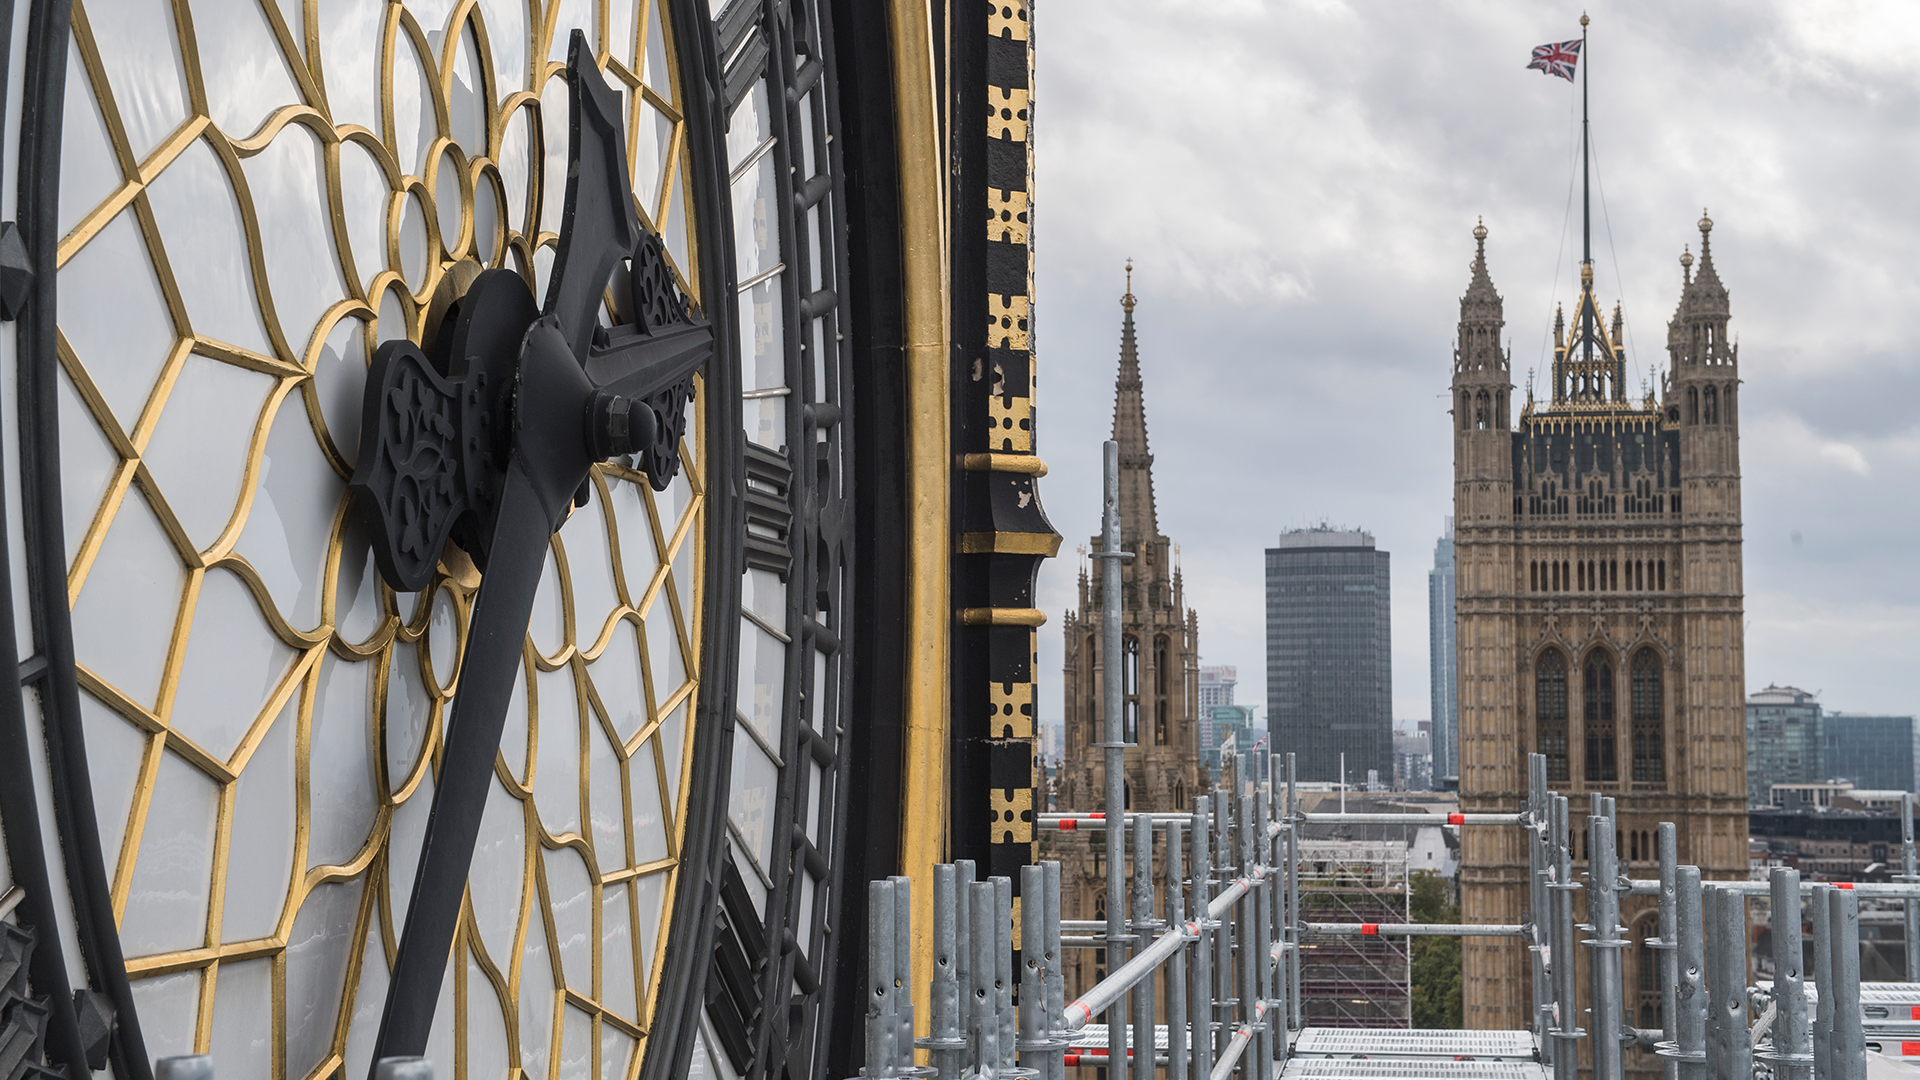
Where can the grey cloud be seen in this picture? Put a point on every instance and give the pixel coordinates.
(1297, 182)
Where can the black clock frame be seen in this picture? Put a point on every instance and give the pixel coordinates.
(88, 1026)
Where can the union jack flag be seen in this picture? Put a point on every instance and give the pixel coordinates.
(1559, 58)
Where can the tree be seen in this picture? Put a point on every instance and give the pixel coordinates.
(1436, 960)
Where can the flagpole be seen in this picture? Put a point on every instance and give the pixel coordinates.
(1586, 198)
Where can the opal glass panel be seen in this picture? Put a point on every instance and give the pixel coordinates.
(247, 213)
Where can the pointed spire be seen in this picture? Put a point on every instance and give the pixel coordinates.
(1481, 287)
(1706, 250)
(1138, 521)
(1619, 320)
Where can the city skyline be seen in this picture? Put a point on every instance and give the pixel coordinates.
(1297, 325)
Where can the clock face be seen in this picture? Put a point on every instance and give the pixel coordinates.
(252, 197)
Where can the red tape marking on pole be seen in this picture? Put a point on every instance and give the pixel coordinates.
(1456, 819)
(1370, 929)
(1069, 825)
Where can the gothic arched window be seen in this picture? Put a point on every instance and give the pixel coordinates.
(1482, 413)
(1693, 405)
(1160, 663)
(1711, 414)
(1091, 683)
(1597, 698)
(1649, 723)
(1550, 713)
(1162, 656)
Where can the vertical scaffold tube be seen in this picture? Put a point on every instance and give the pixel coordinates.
(963, 882)
(1910, 862)
(1143, 1048)
(882, 1025)
(903, 971)
(1246, 934)
(1668, 847)
(1729, 1053)
(1690, 1003)
(1262, 1050)
(1566, 1057)
(1226, 853)
(1200, 1004)
(1113, 732)
(1818, 900)
(1603, 909)
(944, 997)
(983, 1029)
(1003, 971)
(1293, 895)
(1177, 1044)
(1033, 969)
(1537, 921)
(1792, 1053)
(1056, 977)
(1849, 1050)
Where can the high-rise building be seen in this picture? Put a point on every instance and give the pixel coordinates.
(1224, 722)
(1443, 662)
(1159, 670)
(1879, 753)
(1413, 759)
(1216, 685)
(1784, 741)
(1330, 652)
(1599, 606)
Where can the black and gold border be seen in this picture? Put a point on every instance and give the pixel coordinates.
(1002, 531)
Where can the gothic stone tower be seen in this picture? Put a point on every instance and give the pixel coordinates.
(1159, 666)
(1599, 610)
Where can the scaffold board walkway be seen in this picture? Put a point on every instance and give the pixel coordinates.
(1409, 1068)
(1401, 1042)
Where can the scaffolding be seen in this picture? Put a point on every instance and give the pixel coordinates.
(1348, 980)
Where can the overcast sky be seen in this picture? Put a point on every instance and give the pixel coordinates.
(1298, 182)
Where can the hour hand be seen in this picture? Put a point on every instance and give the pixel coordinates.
(598, 226)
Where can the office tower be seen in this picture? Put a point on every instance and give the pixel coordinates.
(1329, 652)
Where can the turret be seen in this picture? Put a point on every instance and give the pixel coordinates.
(1482, 384)
(1703, 390)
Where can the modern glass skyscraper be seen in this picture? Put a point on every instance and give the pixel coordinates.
(1443, 662)
(1784, 741)
(1330, 652)
(1216, 685)
(1880, 753)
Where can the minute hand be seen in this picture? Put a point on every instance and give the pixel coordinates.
(561, 424)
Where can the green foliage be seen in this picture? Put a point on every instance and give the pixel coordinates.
(1436, 960)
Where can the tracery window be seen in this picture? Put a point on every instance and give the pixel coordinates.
(1598, 705)
(1712, 411)
(1693, 405)
(1550, 713)
(1649, 728)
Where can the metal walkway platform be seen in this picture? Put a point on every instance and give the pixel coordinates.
(1324, 1053)
(1401, 1042)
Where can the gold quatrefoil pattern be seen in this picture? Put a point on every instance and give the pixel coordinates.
(254, 194)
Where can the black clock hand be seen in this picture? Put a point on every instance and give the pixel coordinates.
(444, 443)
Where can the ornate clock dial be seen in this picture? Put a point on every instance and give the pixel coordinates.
(253, 197)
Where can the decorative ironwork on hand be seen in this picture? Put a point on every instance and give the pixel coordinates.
(492, 447)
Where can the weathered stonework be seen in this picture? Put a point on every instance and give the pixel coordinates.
(1599, 611)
